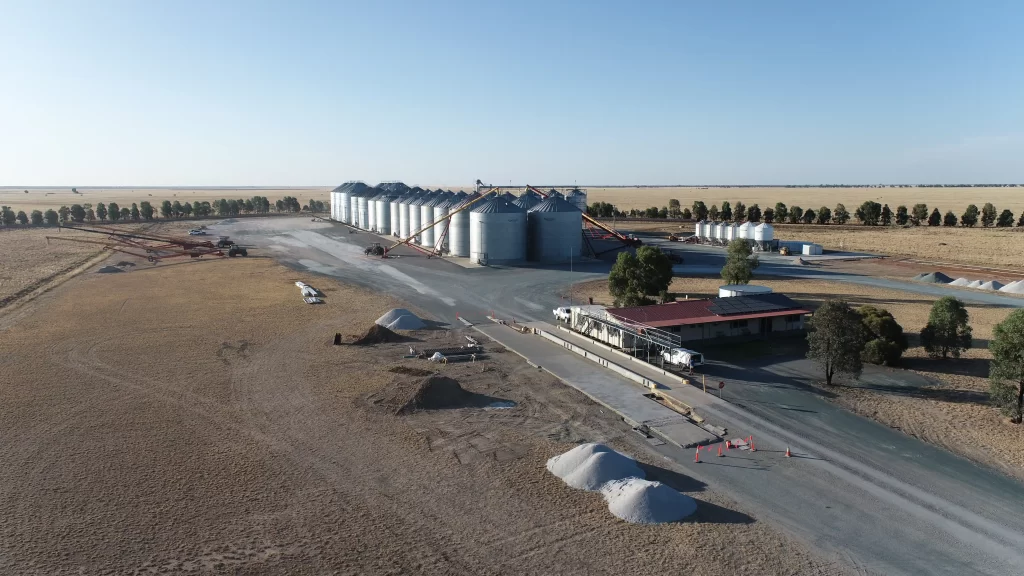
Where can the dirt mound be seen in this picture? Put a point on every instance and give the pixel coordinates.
(378, 334)
(432, 393)
(933, 278)
(109, 270)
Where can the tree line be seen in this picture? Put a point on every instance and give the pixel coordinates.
(870, 213)
(147, 211)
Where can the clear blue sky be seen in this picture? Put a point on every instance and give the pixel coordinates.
(314, 93)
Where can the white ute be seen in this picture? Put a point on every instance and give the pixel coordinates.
(683, 357)
(562, 314)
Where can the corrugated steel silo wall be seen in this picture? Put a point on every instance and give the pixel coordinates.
(395, 222)
(497, 236)
(440, 212)
(403, 219)
(426, 217)
(414, 218)
(371, 214)
(384, 216)
(458, 234)
(363, 214)
(553, 236)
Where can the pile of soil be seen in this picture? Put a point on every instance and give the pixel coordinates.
(378, 334)
(431, 393)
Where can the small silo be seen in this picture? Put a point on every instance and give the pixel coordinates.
(343, 200)
(554, 231)
(363, 203)
(577, 198)
(353, 208)
(527, 200)
(698, 231)
(764, 232)
(729, 232)
(715, 230)
(745, 231)
(458, 230)
(497, 232)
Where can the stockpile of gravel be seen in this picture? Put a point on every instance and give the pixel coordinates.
(933, 278)
(1013, 287)
(991, 285)
(400, 319)
(590, 466)
(960, 282)
(645, 502)
(974, 284)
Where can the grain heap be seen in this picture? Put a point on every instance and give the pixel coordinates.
(400, 319)
(590, 466)
(646, 502)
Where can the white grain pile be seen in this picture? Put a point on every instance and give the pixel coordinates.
(400, 319)
(991, 285)
(960, 282)
(975, 284)
(590, 466)
(1013, 287)
(645, 502)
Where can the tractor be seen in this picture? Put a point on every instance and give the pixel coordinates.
(375, 249)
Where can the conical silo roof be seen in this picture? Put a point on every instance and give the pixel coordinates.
(527, 200)
(496, 206)
(554, 204)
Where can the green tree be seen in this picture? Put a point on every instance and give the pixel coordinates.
(988, 214)
(754, 213)
(726, 211)
(936, 218)
(1005, 219)
(886, 218)
(90, 215)
(840, 215)
(700, 211)
(36, 218)
(970, 216)
(197, 208)
(125, 213)
(114, 211)
(948, 332)
(186, 208)
(65, 214)
(673, 207)
(808, 217)
(769, 215)
(22, 218)
(740, 211)
(713, 213)
(687, 215)
(635, 277)
(1006, 374)
(739, 264)
(166, 210)
(146, 210)
(885, 341)
(77, 213)
(919, 214)
(51, 217)
(176, 209)
(869, 213)
(781, 212)
(901, 215)
(824, 215)
(835, 338)
(949, 219)
(135, 212)
(101, 211)
(7, 216)
(795, 214)
(222, 207)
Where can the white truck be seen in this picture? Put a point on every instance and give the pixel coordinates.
(683, 358)
(562, 314)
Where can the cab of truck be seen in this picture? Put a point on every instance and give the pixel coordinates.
(562, 313)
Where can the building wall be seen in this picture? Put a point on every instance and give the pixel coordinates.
(736, 329)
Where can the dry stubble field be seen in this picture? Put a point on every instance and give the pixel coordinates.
(46, 198)
(195, 418)
(954, 414)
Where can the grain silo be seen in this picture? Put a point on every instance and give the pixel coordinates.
(353, 208)
(577, 198)
(729, 232)
(698, 231)
(497, 232)
(427, 216)
(385, 205)
(555, 231)
(458, 229)
(363, 204)
(745, 231)
(403, 212)
(527, 200)
(764, 234)
(371, 211)
(415, 220)
(442, 230)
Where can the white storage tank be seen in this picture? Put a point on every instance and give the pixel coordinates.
(371, 212)
(699, 231)
(458, 230)
(729, 232)
(363, 216)
(384, 213)
(394, 218)
(746, 231)
(353, 209)
(812, 250)
(439, 211)
(497, 232)
(764, 232)
(730, 290)
(716, 230)
(415, 216)
(555, 231)
(403, 214)
(427, 216)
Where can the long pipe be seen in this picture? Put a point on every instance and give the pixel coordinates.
(152, 237)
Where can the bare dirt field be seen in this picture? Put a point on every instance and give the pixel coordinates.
(194, 417)
(955, 199)
(46, 198)
(954, 414)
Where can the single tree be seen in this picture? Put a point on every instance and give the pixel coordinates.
(808, 217)
(186, 208)
(1020, 222)
(7, 216)
(840, 215)
(101, 211)
(795, 214)
(949, 219)
(713, 213)
(769, 215)
(114, 211)
(135, 212)
(635, 277)
(222, 207)
(824, 215)
(739, 264)
(197, 208)
(673, 206)
(146, 210)
(176, 209)
(51, 217)
(22, 217)
(935, 218)
(65, 214)
(741, 211)
(125, 213)
(1006, 373)
(835, 339)
(700, 211)
(947, 332)
(36, 218)
(781, 212)
(726, 211)
(919, 214)
(754, 213)
(663, 213)
(687, 215)
(77, 213)
(988, 214)
(970, 216)
(886, 218)
(885, 341)
(166, 210)
(1005, 219)
(869, 213)
(901, 215)
(90, 215)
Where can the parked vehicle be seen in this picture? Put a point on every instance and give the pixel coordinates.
(683, 358)
(197, 232)
(563, 314)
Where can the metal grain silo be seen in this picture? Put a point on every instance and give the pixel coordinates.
(442, 230)
(577, 198)
(497, 232)
(429, 213)
(527, 200)
(729, 232)
(764, 233)
(353, 208)
(716, 230)
(554, 231)
(415, 216)
(363, 204)
(403, 213)
(458, 230)
(745, 231)
(371, 212)
(385, 207)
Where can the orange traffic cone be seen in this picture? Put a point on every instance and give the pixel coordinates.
(752, 449)
(728, 444)
(788, 455)
(696, 457)
(720, 451)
